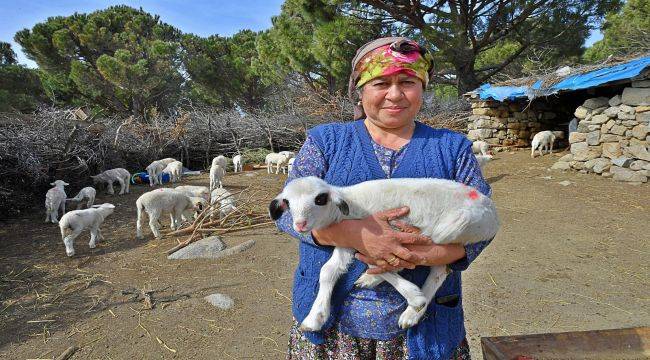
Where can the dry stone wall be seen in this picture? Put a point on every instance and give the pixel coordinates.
(613, 136)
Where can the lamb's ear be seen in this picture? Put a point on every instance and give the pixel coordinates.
(53, 184)
(65, 184)
(340, 203)
(277, 207)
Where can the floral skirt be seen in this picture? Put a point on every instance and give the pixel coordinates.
(340, 346)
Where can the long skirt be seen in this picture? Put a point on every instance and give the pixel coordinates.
(340, 346)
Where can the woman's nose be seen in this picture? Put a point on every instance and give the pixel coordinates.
(394, 92)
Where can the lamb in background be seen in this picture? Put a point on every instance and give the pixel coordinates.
(225, 200)
(542, 141)
(221, 161)
(78, 220)
(195, 190)
(88, 193)
(167, 161)
(446, 211)
(280, 160)
(161, 201)
(481, 147)
(483, 160)
(217, 173)
(175, 171)
(290, 164)
(238, 163)
(154, 170)
(55, 200)
(108, 177)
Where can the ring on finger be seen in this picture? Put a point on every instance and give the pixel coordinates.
(393, 261)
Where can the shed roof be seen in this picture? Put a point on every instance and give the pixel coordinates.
(594, 76)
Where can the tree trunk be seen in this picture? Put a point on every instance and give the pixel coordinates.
(466, 79)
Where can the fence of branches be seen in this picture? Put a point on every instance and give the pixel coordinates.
(52, 144)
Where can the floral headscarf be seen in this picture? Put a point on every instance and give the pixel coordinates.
(388, 56)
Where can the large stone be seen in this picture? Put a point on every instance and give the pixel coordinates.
(636, 96)
(628, 175)
(590, 164)
(608, 126)
(622, 162)
(581, 112)
(203, 249)
(561, 165)
(612, 150)
(583, 127)
(610, 138)
(595, 103)
(618, 130)
(615, 101)
(599, 119)
(566, 158)
(576, 137)
(591, 152)
(643, 118)
(626, 116)
(479, 134)
(593, 138)
(601, 165)
(641, 84)
(640, 131)
(578, 165)
(639, 152)
(639, 165)
(223, 302)
(611, 112)
(579, 146)
(626, 109)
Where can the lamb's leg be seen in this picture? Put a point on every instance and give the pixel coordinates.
(109, 188)
(277, 169)
(332, 270)
(128, 183)
(551, 147)
(412, 316)
(122, 186)
(91, 201)
(47, 215)
(68, 241)
(93, 238)
(153, 224)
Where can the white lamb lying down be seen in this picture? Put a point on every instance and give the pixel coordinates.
(55, 200)
(78, 220)
(225, 200)
(88, 193)
(542, 141)
(446, 211)
(154, 171)
(481, 147)
(238, 163)
(175, 171)
(108, 177)
(160, 201)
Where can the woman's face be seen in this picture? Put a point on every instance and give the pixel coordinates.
(392, 101)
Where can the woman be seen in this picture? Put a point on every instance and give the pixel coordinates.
(388, 79)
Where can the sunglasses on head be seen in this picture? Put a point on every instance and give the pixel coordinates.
(407, 46)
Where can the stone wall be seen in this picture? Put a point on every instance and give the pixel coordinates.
(509, 123)
(613, 136)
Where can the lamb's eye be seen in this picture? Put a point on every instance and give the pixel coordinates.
(286, 202)
(321, 199)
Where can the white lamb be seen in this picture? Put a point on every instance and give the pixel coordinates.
(481, 147)
(446, 211)
(288, 154)
(483, 160)
(55, 200)
(108, 177)
(221, 161)
(542, 141)
(225, 200)
(78, 220)
(275, 159)
(175, 171)
(89, 193)
(158, 202)
(217, 173)
(154, 170)
(238, 163)
(195, 190)
(167, 161)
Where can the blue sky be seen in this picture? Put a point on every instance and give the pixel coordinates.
(200, 17)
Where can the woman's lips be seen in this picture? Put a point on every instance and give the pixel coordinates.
(394, 110)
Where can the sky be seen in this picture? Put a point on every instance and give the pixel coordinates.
(201, 17)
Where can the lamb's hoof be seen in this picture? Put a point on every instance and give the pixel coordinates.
(410, 317)
(368, 281)
(92, 246)
(313, 322)
(70, 254)
(55, 221)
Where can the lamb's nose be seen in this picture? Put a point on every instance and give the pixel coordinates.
(300, 225)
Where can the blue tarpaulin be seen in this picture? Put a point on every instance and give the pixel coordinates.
(623, 71)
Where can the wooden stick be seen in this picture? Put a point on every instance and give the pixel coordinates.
(68, 352)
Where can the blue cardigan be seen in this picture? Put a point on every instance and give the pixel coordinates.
(351, 159)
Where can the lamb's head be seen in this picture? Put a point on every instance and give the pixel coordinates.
(313, 204)
(106, 208)
(97, 179)
(59, 183)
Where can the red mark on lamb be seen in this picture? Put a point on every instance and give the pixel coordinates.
(473, 195)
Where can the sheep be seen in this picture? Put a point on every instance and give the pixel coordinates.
(167, 161)
(160, 201)
(217, 172)
(481, 147)
(108, 177)
(220, 160)
(483, 160)
(195, 190)
(541, 141)
(238, 163)
(175, 171)
(275, 159)
(290, 164)
(79, 220)
(55, 200)
(225, 200)
(89, 193)
(446, 211)
(154, 170)
(288, 154)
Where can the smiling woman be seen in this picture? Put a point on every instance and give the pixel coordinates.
(387, 83)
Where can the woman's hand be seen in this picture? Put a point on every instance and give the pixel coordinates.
(374, 237)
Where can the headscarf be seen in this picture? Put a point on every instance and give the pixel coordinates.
(387, 56)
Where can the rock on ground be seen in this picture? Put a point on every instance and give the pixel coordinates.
(207, 248)
(223, 302)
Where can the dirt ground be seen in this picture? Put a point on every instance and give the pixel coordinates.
(567, 258)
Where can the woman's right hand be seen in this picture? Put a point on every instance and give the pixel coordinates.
(374, 237)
